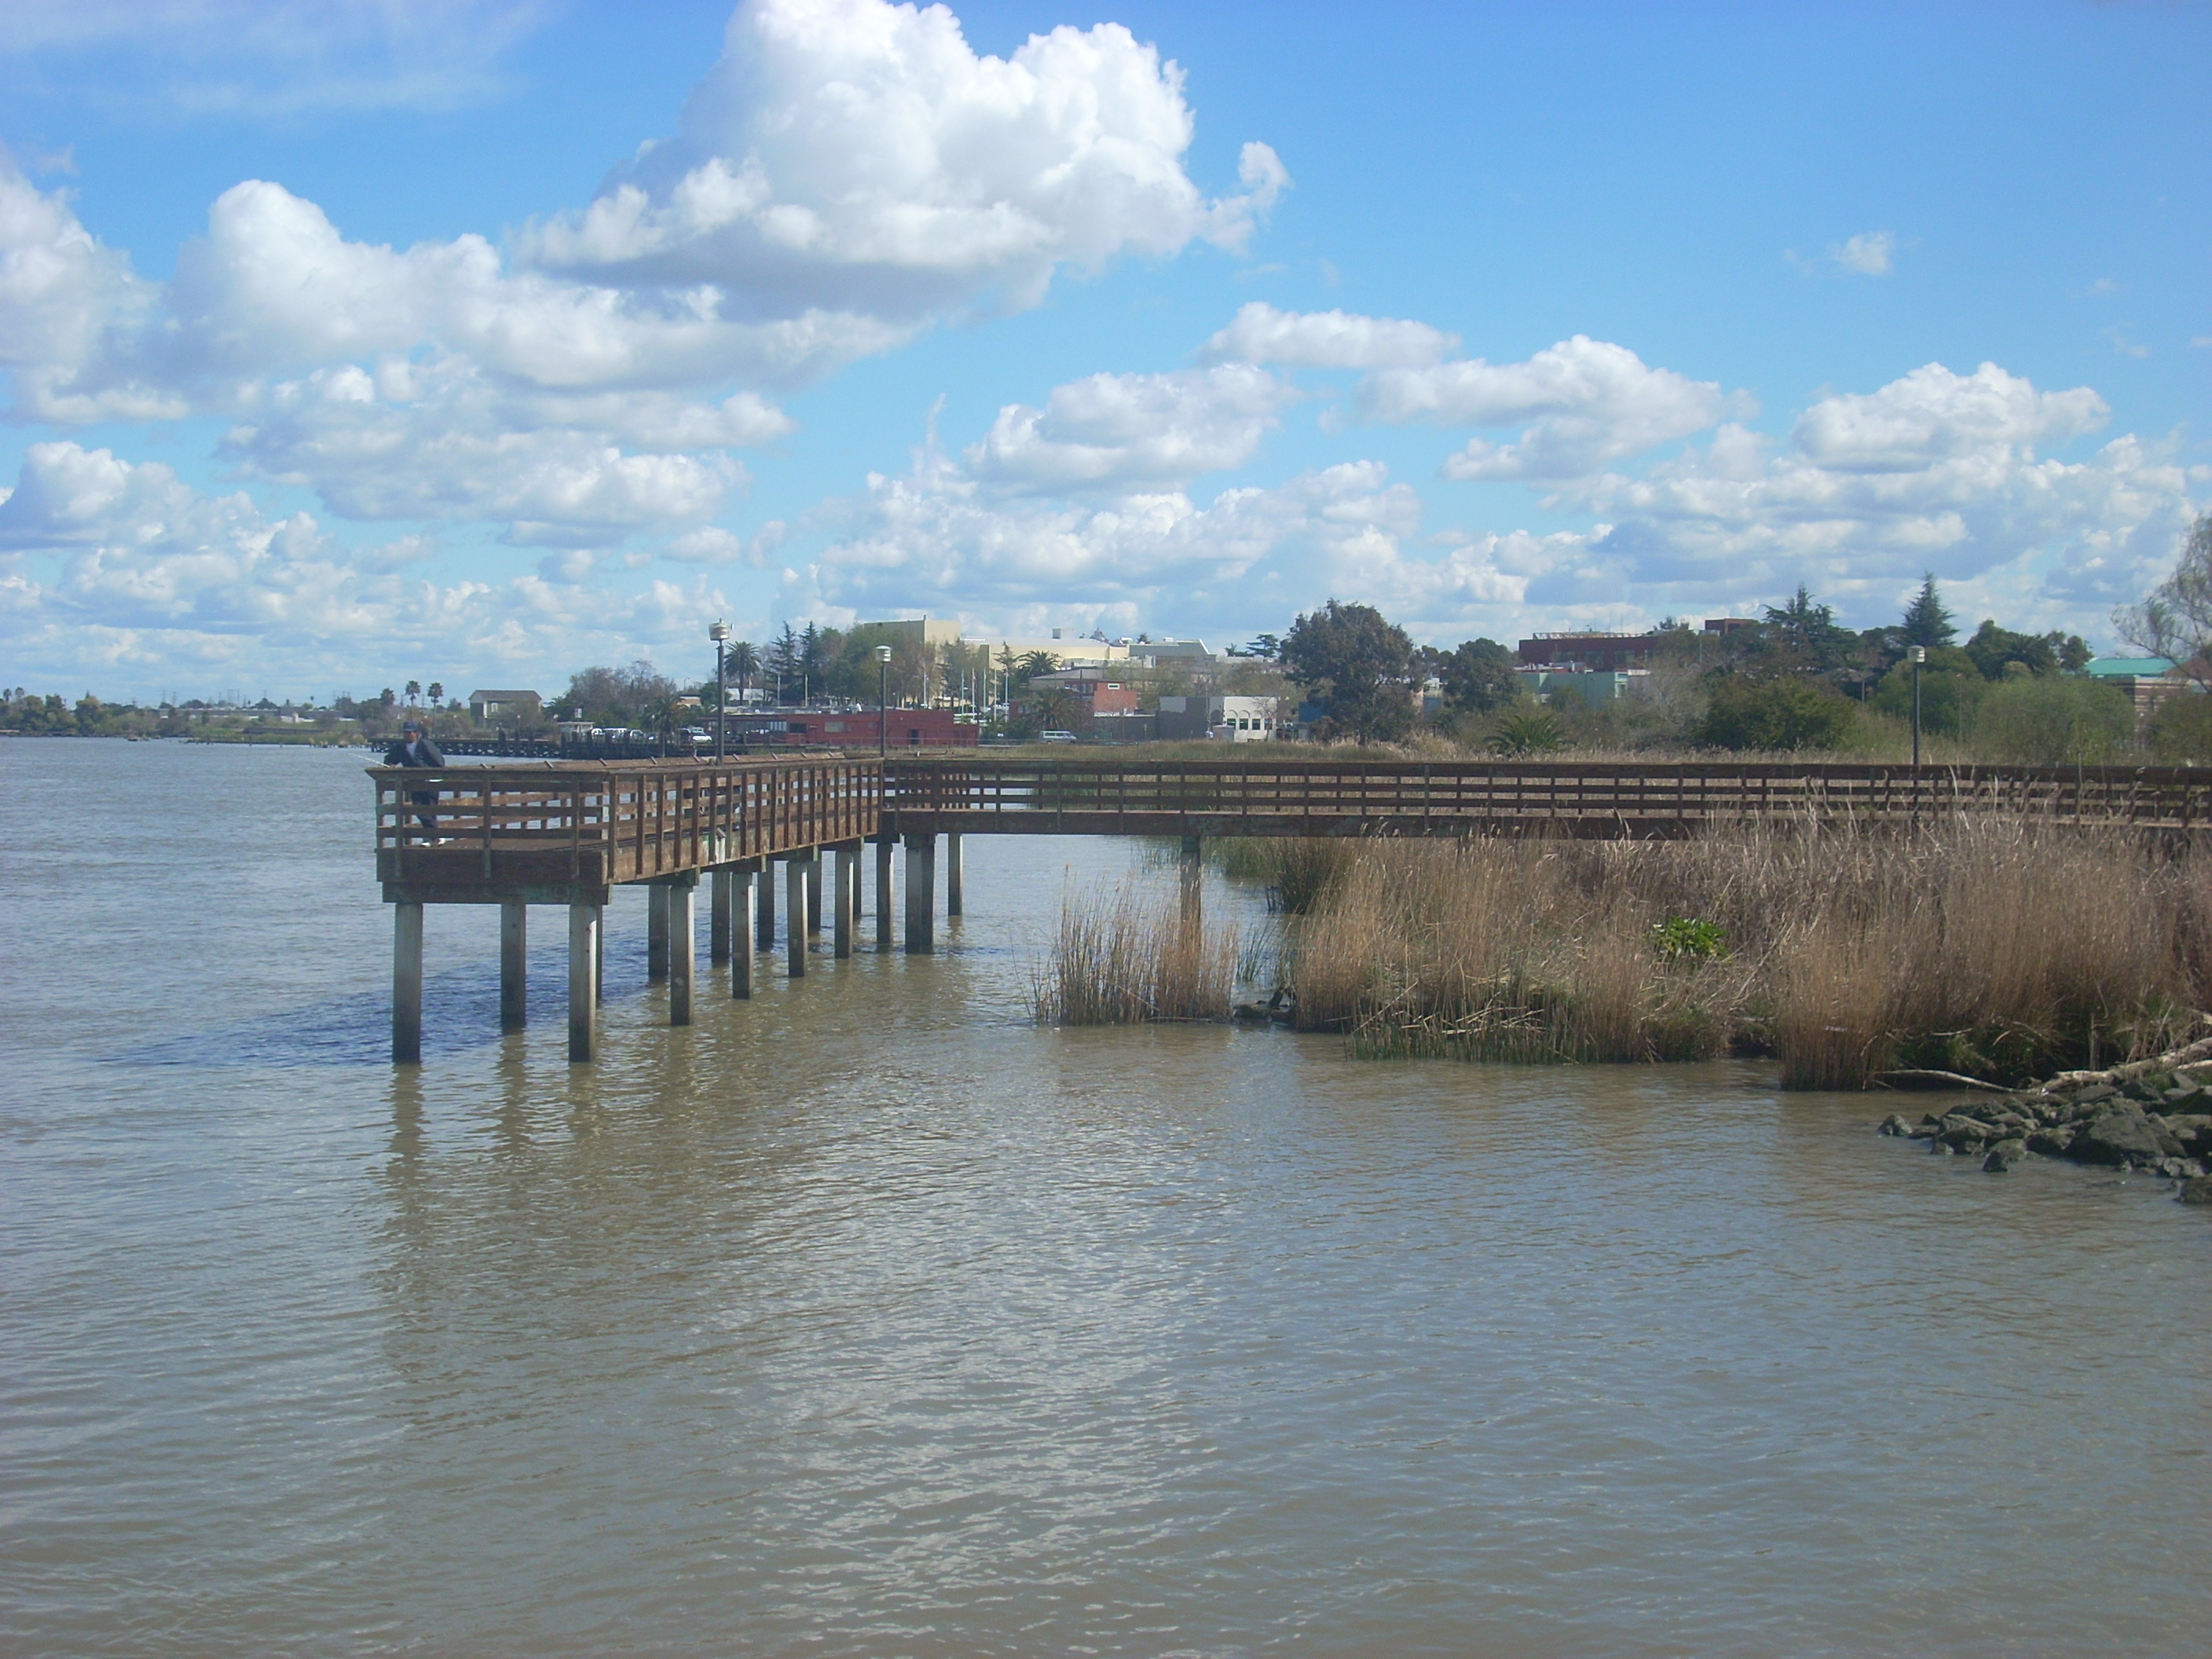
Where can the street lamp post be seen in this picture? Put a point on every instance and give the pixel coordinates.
(883, 702)
(1919, 655)
(720, 633)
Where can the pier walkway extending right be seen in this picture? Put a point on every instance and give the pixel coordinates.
(565, 833)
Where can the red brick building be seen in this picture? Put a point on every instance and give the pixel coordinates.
(817, 728)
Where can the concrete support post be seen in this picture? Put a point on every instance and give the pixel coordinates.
(584, 930)
(844, 898)
(656, 934)
(599, 956)
(683, 951)
(920, 893)
(1194, 870)
(795, 919)
(406, 984)
(742, 885)
(814, 890)
(718, 919)
(513, 964)
(764, 907)
(952, 873)
(883, 885)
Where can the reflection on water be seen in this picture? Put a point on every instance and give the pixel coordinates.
(865, 1318)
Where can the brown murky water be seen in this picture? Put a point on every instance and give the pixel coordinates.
(866, 1318)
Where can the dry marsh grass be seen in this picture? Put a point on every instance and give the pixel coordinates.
(1996, 948)
(1128, 959)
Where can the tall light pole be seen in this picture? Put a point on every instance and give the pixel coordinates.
(720, 633)
(883, 703)
(1919, 655)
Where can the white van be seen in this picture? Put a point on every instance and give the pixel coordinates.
(1055, 737)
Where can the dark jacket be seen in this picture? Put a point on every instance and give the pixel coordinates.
(424, 748)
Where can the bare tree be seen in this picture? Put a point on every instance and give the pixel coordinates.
(2176, 621)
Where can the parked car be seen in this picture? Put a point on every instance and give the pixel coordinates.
(1055, 737)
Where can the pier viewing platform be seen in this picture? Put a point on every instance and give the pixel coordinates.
(518, 833)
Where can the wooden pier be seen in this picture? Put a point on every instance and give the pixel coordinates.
(567, 833)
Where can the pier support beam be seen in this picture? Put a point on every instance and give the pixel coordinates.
(513, 964)
(718, 919)
(795, 919)
(743, 884)
(682, 949)
(656, 934)
(844, 898)
(764, 907)
(406, 984)
(814, 891)
(584, 931)
(1194, 870)
(920, 893)
(883, 885)
(953, 868)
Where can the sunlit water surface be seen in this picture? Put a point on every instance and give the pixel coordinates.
(868, 1318)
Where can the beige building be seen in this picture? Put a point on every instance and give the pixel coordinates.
(1064, 643)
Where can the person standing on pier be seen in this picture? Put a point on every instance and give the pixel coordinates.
(416, 749)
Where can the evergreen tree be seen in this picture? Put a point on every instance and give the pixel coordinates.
(1926, 620)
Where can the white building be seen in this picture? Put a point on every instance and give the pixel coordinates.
(1224, 719)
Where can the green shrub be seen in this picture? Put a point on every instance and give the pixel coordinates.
(1686, 939)
(1783, 713)
(1527, 732)
(2054, 720)
(2180, 733)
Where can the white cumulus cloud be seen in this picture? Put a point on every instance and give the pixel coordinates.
(862, 156)
(1127, 431)
(1936, 471)
(1327, 339)
(1584, 402)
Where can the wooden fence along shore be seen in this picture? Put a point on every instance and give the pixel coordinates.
(567, 832)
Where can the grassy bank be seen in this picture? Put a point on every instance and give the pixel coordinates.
(1998, 949)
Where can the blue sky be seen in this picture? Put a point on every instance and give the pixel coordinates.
(350, 344)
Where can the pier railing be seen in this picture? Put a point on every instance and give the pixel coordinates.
(471, 833)
(1267, 794)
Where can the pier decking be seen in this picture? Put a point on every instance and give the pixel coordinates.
(1273, 794)
(518, 833)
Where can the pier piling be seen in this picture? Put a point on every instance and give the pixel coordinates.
(953, 869)
(920, 895)
(794, 921)
(814, 891)
(745, 882)
(406, 983)
(885, 881)
(682, 949)
(845, 898)
(718, 918)
(656, 934)
(584, 931)
(764, 907)
(513, 964)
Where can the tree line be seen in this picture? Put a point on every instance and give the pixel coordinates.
(1795, 679)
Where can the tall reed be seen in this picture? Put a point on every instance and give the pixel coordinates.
(1128, 959)
(1994, 947)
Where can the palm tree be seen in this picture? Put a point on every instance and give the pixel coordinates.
(742, 663)
(414, 692)
(437, 694)
(1055, 707)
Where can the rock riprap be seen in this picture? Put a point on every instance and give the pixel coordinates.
(2156, 1121)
